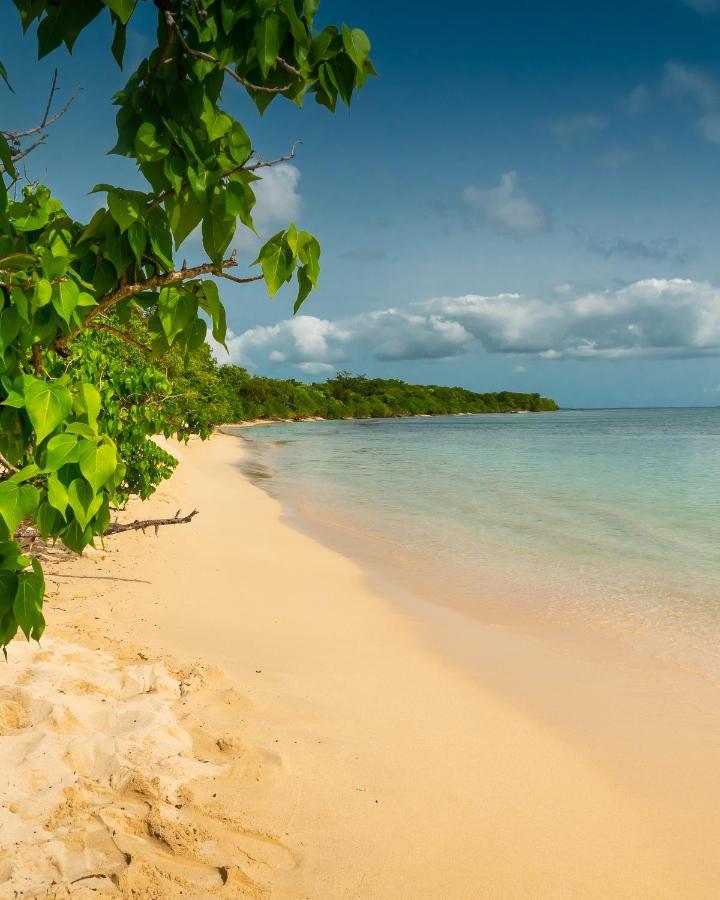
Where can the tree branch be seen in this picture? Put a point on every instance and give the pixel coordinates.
(142, 524)
(150, 284)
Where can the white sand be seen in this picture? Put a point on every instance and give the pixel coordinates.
(338, 756)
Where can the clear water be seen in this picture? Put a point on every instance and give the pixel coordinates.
(609, 517)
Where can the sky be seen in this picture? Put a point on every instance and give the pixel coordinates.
(526, 198)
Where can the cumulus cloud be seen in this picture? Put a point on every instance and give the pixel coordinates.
(681, 81)
(573, 127)
(657, 249)
(506, 208)
(651, 318)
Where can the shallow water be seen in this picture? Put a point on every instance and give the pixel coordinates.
(607, 518)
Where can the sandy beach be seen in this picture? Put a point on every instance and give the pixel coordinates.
(230, 709)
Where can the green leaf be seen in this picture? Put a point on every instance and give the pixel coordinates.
(240, 200)
(147, 146)
(311, 7)
(4, 76)
(65, 297)
(84, 501)
(57, 495)
(218, 229)
(357, 46)
(17, 502)
(25, 474)
(61, 449)
(176, 310)
(28, 602)
(48, 404)
(137, 238)
(75, 537)
(6, 157)
(98, 463)
(304, 288)
(267, 42)
(276, 261)
(88, 403)
(123, 9)
(160, 237)
(47, 520)
(184, 214)
(119, 41)
(125, 207)
(210, 302)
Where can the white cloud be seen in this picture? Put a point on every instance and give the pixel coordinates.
(681, 81)
(573, 127)
(652, 318)
(519, 369)
(277, 197)
(506, 208)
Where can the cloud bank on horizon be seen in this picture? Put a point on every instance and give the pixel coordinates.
(652, 318)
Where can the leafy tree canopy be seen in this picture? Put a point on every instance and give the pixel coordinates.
(75, 415)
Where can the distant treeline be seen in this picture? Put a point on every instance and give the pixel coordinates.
(231, 394)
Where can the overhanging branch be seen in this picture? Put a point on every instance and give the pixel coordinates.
(149, 284)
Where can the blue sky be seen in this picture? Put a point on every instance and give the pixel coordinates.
(526, 198)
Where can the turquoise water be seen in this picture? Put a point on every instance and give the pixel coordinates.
(602, 516)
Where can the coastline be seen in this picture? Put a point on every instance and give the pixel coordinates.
(352, 759)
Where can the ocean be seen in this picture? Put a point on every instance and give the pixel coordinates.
(584, 518)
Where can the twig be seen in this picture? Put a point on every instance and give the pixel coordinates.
(264, 164)
(142, 524)
(237, 280)
(53, 88)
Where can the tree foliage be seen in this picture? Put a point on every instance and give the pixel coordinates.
(75, 412)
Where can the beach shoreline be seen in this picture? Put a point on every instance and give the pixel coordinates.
(352, 759)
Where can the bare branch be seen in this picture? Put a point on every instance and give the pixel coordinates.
(264, 164)
(142, 524)
(15, 138)
(237, 280)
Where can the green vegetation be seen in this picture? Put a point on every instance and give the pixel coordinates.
(80, 300)
(231, 394)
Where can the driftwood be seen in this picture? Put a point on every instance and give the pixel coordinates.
(142, 524)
